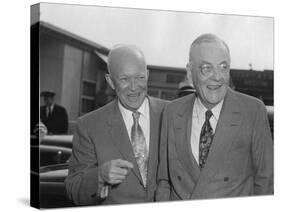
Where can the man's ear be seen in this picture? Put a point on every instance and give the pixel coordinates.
(189, 74)
(109, 81)
(188, 68)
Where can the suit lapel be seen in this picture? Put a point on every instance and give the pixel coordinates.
(183, 122)
(227, 128)
(153, 142)
(120, 138)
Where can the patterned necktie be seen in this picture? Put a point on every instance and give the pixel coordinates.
(139, 146)
(206, 138)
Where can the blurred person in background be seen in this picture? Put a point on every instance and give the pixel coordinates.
(52, 115)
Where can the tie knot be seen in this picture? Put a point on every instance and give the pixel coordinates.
(208, 114)
(136, 116)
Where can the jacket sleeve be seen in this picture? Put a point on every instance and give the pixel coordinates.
(163, 185)
(262, 153)
(82, 180)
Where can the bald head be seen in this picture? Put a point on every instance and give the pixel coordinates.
(128, 75)
(205, 39)
(125, 56)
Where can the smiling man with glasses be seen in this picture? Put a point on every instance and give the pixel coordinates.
(217, 142)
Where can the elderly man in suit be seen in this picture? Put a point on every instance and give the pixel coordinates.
(214, 143)
(115, 148)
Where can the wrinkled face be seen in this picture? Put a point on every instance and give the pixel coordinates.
(129, 80)
(209, 65)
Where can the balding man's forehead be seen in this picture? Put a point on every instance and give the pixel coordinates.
(125, 57)
(216, 47)
(126, 54)
(125, 51)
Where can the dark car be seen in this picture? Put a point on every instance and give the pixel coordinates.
(54, 152)
(58, 140)
(52, 189)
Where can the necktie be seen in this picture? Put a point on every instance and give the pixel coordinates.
(49, 111)
(206, 138)
(139, 146)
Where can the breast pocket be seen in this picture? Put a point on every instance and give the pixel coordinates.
(241, 144)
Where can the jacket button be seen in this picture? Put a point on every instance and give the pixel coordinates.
(179, 178)
(225, 179)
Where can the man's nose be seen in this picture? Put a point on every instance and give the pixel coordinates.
(133, 84)
(217, 73)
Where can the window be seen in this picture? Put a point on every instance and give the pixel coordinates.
(88, 82)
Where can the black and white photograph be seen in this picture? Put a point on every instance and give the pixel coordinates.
(144, 106)
(132, 105)
(177, 98)
(204, 79)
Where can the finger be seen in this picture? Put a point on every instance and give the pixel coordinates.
(112, 167)
(123, 164)
(104, 191)
(119, 171)
(115, 178)
(106, 188)
(113, 182)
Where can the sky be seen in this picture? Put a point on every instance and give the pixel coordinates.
(165, 36)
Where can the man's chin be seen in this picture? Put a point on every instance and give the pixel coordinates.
(132, 105)
(214, 101)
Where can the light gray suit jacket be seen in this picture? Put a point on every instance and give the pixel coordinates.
(240, 161)
(101, 136)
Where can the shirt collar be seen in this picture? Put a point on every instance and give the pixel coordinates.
(142, 109)
(51, 106)
(201, 109)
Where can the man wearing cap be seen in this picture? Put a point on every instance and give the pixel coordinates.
(115, 148)
(53, 116)
(217, 142)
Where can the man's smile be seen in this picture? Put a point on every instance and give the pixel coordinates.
(214, 87)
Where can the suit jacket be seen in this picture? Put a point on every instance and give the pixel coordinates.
(240, 161)
(57, 122)
(101, 136)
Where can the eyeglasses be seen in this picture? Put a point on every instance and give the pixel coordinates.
(208, 69)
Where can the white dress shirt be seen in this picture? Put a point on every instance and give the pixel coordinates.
(51, 108)
(143, 120)
(198, 119)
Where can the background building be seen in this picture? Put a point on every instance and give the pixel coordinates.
(74, 69)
